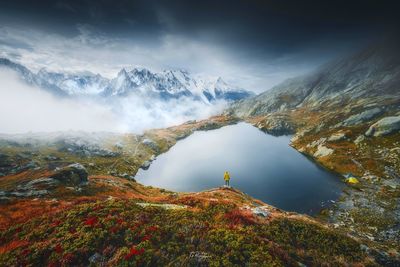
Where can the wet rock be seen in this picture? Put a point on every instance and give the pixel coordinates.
(145, 165)
(384, 126)
(74, 175)
(323, 151)
(362, 117)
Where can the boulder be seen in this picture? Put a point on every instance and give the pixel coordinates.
(277, 125)
(323, 151)
(385, 126)
(359, 139)
(337, 137)
(150, 143)
(261, 211)
(73, 175)
(39, 183)
(145, 165)
(29, 193)
(362, 117)
(318, 142)
(119, 145)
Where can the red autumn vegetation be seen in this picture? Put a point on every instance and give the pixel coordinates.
(146, 237)
(91, 221)
(152, 228)
(13, 245)
(58, 249)
(240, 217)
(134, 252)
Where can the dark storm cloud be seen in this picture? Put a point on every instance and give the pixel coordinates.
(255, 43)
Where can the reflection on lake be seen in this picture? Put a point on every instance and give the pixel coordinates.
(261, 165)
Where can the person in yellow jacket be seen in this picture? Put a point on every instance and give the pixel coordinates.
(227, 177)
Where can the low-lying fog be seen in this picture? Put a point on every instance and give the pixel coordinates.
(25, 108)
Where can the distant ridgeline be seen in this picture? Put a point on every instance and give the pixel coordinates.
(169, 84)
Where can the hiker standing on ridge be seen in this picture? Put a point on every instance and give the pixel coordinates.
(227, 177)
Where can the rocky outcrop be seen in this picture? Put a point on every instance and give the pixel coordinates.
(323, 151)
(277, 125)
(151, 144)
(146, 165)
(337, 137)
(210, 125)
(372, 73)
(362, 117)
(34, 188)
(359, 139)
(72, 175)
(385, 126)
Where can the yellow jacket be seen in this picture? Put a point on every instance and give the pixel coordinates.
(226, 176)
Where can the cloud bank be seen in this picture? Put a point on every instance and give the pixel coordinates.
(25, 109)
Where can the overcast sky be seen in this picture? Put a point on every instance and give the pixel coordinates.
(253, 44)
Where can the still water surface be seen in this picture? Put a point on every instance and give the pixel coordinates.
(261, 165)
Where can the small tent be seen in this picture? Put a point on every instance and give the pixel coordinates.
(352, 180)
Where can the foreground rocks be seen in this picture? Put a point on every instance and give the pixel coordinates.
(364, 116)
(384, 126)
(72, 175)
(275, 124)
(323, 151)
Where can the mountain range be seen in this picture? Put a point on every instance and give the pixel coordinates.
(367, 78)
(168, 84)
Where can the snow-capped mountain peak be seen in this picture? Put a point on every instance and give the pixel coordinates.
(168, 84)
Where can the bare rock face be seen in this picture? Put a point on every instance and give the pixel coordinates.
(323, 151)
(151, 144)
(72, 175)
(385, 126)
(146, 165)
(362, 117)
(359, 139)
(277, 125)
(337, 137)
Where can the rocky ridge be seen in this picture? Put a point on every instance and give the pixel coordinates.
(345, 116)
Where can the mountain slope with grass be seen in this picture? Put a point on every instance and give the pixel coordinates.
(73, 201)
(345, 116)
(118, 222)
